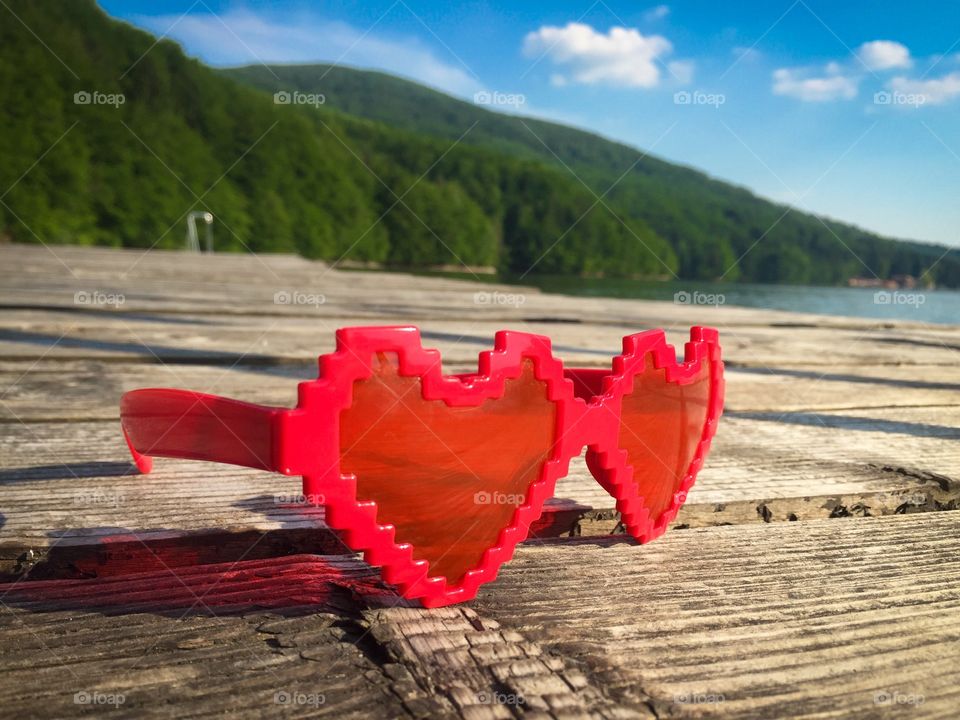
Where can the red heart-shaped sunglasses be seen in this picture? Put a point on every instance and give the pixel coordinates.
(436, 477)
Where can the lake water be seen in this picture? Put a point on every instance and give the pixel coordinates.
(931, 306)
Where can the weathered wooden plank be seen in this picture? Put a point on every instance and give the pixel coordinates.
(270, 340)
(840, 387)
(72, 504)
(823, 618)
(684, 626)
(486, 670)
(200, 289)
(254, 639)
(811, 456)
(119, 335)
(67, 490)
(91, 389)
(839, 418)
(333, 641)
(225, 283)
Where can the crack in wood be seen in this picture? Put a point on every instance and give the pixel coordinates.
(471, 667)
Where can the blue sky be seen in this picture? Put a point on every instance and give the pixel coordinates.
(849, 110)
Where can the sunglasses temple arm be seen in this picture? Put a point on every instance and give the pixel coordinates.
(197, 426)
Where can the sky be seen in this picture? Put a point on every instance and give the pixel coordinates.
(848, 110)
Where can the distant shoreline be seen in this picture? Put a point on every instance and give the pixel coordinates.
(939, 306)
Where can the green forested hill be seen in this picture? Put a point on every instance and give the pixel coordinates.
(709, 223)
(348, 179)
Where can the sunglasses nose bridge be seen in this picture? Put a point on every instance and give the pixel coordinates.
(602, 422)
(594, 425)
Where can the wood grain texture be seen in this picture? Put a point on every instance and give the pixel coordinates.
(813, 619)
(65, 485)
(254, 639)
(281, 338)
(811, 572)
(298, 635)
(87, 390)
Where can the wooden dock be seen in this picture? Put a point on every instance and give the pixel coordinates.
(815, 570)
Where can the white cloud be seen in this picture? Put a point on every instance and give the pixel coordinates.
(242, 37)
(794, 82)
(622, 57)
(935, 91)
(656, 13)
(884, 55)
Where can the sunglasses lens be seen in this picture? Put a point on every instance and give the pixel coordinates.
(661, 426)
(448, 478)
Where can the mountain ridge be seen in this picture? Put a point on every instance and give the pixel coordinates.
(351, 103)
